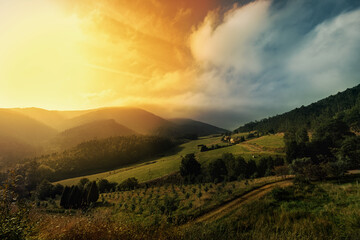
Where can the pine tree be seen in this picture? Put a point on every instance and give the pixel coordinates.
(75, 197)
(64, 202)
(93, 194)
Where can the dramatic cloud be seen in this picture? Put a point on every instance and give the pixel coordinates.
(269, 57)
(223, 62)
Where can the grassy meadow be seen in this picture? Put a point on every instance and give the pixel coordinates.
(320, 210)
(269, 145)
(323, 210)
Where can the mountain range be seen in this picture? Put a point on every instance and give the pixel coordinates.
(26, 132)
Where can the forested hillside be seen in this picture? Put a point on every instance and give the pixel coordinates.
(95, 130)
(100, 155)
(345, 105)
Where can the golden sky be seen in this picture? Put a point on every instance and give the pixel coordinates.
(86, 54)
(221, 61)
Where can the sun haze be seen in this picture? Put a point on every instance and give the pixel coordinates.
(226, 62)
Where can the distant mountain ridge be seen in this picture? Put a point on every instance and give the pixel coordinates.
(200, 128)
(38, 130)
(94, 130)
(344, 104)
(136, 119)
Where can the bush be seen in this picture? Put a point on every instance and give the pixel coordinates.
(128, 184)
(280, 194)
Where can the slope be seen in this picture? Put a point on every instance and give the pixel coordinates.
(345, 104)
(23, 128)
(136, 119)
(53, 118)
(189, 126)
(95, 130)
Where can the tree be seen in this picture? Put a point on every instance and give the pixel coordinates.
(129, 184)
(217, 170)
(44, 190)
(251, 168)
(57, 190)
(75, 198)
(105, 186)
(64, 201)
(83, 182)
(190, 168)
(93, 194)
(236, 167)
(350, 152)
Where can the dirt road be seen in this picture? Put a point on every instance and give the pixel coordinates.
(251, 196)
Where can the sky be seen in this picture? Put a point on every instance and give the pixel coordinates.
(222, 62)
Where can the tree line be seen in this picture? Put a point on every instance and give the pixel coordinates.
(227, 168)
(345, 105)
(102, 155)
(332, 150)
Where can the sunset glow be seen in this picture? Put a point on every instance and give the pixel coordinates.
(176, 58)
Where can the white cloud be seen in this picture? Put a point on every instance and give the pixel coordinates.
(268, 57)
(230, 44)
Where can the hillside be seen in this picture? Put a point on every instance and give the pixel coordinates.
(95, 130)
(23, 128)
(103, 154)
(52, 118)
(13, 151)
(189, 126)
(136, 119)
(344, 104)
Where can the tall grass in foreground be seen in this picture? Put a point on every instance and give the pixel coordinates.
(324, 211)
(306, 211)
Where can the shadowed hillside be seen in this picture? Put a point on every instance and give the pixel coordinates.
(196, 127)
(345, 104)
(138, 120)
(19, 126)
(52, 118)
(95, 130)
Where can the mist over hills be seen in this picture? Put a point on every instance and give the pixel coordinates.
(25, 132)
(94, 130)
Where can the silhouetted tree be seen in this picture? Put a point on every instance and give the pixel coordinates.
(64, 201)
(93, 194)
(217, 170)
(190, 168)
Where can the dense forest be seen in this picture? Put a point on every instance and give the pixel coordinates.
(101, 155)
(345, 105)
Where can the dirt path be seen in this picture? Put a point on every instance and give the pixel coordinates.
(255, 194)
(252, 147)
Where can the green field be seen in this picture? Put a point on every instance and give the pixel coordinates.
(269, 142)
(170, 163)
(325, 210)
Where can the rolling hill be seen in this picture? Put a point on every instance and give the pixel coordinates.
(24, 128)
(136, 119)
(345, 105)
(189, 126)
(52, 118)
(95, 130)
(13, 151)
